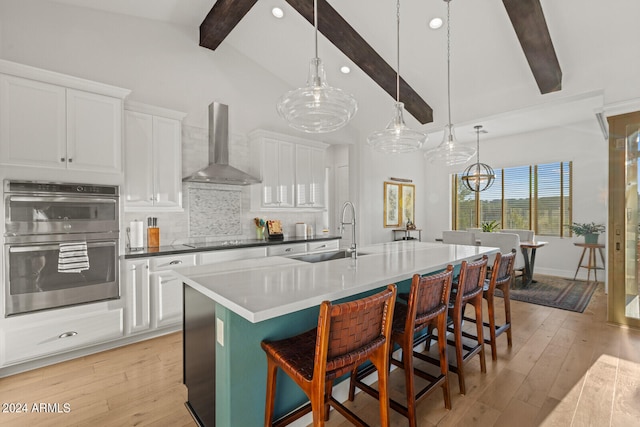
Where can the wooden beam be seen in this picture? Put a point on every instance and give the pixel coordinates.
(338, 31)
(221, 19)
(531, 28)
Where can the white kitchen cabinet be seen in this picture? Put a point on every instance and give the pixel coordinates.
(153, 158)
(94, 132)
(33, 127)
(278, 173)
(137, 295)
(310, 176)
(166, 289)
(48, 125)
(41, 334)
(292, 170)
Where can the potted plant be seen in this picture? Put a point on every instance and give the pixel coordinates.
(590, 231)
(490, 227)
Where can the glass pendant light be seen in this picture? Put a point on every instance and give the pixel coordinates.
(397, 137)
(317, 107)
(449, 151)
(479, 176)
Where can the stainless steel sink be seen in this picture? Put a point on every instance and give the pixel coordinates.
(325, 256)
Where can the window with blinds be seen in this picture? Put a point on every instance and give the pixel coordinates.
(526, 197)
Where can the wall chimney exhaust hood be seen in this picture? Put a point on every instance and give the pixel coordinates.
(219, 171)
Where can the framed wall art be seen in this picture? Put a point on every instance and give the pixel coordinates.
(392, 210)
(408, 204)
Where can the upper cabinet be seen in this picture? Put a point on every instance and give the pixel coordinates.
(56, 121)
(310, 176)
(292, 170)
(153, 158)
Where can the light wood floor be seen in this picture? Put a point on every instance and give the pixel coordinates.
(564, 369)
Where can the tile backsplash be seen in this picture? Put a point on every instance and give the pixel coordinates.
(217, 212)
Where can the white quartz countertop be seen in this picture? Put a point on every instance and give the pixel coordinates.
(264, 288)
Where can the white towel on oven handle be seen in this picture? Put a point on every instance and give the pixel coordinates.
(73, 257)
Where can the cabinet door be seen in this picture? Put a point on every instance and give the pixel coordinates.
(310, 176)
(270, 178)
(32, 123)
(286, 174)
(137, 277)
(167, 300)
(167, 162)
(94, 132)
(138, 159)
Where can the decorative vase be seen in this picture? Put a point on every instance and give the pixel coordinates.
(260, 233)
(591, 239)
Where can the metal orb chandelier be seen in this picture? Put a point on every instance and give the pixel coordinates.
(397, 137)
(449, 151)
(317, 107)
(479, 176)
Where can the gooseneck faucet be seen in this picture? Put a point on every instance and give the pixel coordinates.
(352, 248)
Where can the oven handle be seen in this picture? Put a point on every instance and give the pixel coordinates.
(60, 199)
(33, 248)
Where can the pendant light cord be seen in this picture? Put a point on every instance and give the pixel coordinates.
(398, 51)
(315, 23)
(449, 59)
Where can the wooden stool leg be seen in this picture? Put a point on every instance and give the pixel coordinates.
(457, 332)
(492, 327)
(580, 263)
(444, 363)
(271, 392)
(507, 312)
(407, 361)
(478, 306)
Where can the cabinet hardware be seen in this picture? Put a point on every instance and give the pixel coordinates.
(70, 160)
(288, 249)
(62, 159)
(175, 262)
(68, 334)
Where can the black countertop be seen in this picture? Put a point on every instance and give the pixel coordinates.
(215, 246)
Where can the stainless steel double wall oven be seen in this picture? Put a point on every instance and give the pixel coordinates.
(61, 245)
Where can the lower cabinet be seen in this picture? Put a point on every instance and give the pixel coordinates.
(137, 295)
(59, 331)
(166, 300)
(154, 294)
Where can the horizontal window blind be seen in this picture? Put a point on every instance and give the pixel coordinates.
(534, 197)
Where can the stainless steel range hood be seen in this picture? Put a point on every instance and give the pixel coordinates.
(219, 171)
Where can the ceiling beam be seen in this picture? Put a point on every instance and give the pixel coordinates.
(226, 14)
(531, 28)
(338, 31)
(221, 19)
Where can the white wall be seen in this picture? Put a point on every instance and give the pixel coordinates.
(581, 143)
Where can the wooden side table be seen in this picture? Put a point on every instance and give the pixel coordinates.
(591, 263)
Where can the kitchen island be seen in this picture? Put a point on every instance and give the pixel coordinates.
(229, 308)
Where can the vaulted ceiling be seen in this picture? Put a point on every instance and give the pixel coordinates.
(509, 58)
(526, 16)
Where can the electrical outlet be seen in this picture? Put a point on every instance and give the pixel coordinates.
(220, 331)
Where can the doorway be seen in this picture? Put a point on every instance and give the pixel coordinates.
(624, 220)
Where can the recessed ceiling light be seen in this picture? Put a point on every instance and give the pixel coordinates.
(435, 23)
(277, 12)
(345, 70)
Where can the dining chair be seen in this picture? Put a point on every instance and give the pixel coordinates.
(506, 242)
(501, 278)
(347, 335)
(426, 307)
(457, 237)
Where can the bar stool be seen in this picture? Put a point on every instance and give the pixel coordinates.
(347, 335)
(468, 291)
(427, 306)
(501, 277)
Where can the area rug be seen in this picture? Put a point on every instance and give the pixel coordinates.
(557, 292)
